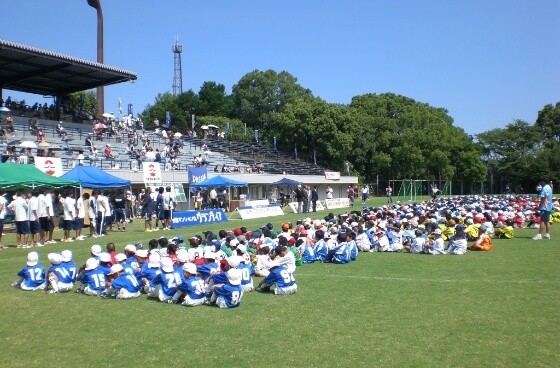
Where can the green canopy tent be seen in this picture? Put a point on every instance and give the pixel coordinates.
(17, 176)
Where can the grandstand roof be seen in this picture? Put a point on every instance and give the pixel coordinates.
(30, 69)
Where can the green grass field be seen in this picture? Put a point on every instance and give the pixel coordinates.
(495, 309)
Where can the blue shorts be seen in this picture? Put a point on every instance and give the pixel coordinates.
(34, 227)
(167, 214)
(1, 226)
(78, 223)
(22, 227)
(148, 216)
(119, 215)
(545, 216)
(68, 225)
(46, 225)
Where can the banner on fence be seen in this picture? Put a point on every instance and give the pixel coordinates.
(152, 172)
(194, 218)
(252, 212)
(337, 203)
(177, 190)
(49, 165)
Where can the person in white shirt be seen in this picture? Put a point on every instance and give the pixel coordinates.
(435, 246)
(92, 212)
(167, 208)
(105, 209)
(3, 203)
(329, 192)
(69, 204)
(33, 213)
(365, 193)
(417, 245)
(46, 215)
(81, 214)
(19, 207)
(213, 198)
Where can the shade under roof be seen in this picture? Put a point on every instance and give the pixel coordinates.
(33, 70)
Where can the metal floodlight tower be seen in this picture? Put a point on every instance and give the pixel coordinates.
(177, 70)
(96, 4)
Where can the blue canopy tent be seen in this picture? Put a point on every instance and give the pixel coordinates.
(95, 178)
(285, 182)
(220, 181)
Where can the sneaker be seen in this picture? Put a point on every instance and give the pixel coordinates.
(69, 240)
(15, 284)
(3, 247)
(155, 229)
(95, 236)
(123, 230)
(40, 244)
(148, 230)
(19, 246)
(546, 236)
(537, 237)
(52, 241)
(52, 292)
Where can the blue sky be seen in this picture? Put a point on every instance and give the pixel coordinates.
(486, 62)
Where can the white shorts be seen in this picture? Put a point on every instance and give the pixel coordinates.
(221, 302)
(125, 294)
(63, 287)
(286, 290)
(161, 295)
(188, 302)
(90, 292)
(151, 291)
(29, 288)
(247, 288)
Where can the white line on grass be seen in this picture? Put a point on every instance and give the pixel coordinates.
(409, 279)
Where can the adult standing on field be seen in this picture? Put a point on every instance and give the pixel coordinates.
(545, 206)
(389, 193)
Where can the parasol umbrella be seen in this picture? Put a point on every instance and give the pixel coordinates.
(177, 135)
(211, 126)
(44, 144)
(204, 127)
(108, 115)
(28, 144)
(99, 126)
(4, 109)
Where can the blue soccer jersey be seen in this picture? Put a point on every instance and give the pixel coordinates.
(133, 262)
(149, 272)
(72, 270)
(33, 276)
(168, 281)
(246, 272)
(105, 268)
(341, 253)
(353, 250)
(129, 269)
(321, 250)
(232, 294)
(95, 279)
(220, 278)
(179, 270)
(206, 270)
(127, 282)
(194, 287)
(61, 273)
(307, 253)
(281, 276)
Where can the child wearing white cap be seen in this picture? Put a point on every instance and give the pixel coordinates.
(149, 270)
(229, 294)
(93, 281)
(164, 284)
(192, 287)
(435, 246)
(121, 284)
(247, 270)
(279, 275)
(69, 265)
(32, 276)
(59, 278)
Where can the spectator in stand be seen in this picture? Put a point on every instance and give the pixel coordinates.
(40, 135)
(3, 135)
(89, 140)
(60, 130)
(236, 167)
(10, 125)
(108, 152)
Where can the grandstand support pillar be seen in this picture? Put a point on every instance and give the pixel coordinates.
(96, 4)
(57, 107)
